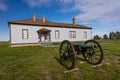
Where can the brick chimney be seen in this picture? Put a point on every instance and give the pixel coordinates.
(34, 17)
(74, 21)
(43, 18)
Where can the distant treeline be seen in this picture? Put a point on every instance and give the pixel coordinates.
(112, 35)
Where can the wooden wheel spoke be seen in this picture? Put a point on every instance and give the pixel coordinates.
(63, 49)
(89, 58)
(68, 62)
(86, 55)
(69, 48)
(68, 53)
(67, 45)
(95, 53)
(62, 55)
(95, 57)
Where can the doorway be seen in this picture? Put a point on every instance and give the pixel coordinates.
(44, 35)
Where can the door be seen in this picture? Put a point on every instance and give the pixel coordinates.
(45, 36)
(42, 37)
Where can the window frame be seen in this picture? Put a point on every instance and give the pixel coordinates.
(57, 34)
(72, 34)
(85, 34)
(25, 36)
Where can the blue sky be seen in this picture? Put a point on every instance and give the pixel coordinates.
(102, 15)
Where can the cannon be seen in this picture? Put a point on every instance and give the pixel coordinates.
(91, 50)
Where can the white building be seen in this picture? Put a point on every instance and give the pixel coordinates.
(33, 30)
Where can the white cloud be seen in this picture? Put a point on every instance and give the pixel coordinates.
(66, 1)
(3, 5)
(104, 11)
(37, 3)
(101, 11)
(103, 15)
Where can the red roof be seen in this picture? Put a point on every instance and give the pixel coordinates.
(39, 22)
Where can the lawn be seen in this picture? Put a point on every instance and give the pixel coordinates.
(41, 63)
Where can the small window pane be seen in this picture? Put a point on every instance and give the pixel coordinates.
(24, 33)
(72, 34)
(57, 34)
(85, 34)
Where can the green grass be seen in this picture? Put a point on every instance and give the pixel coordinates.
(40, 63)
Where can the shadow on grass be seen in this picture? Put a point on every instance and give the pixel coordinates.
(80, 58)
(58, 60)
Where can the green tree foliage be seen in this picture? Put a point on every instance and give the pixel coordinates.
(117, 35)
(114, 35)
(105, 36)
(110, 35)
(97, 37)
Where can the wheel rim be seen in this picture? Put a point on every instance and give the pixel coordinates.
(67, 55)
(93, 55)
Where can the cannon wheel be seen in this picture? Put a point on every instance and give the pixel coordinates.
(67, 55)
(93, 55)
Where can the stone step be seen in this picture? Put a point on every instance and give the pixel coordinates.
(48, 43)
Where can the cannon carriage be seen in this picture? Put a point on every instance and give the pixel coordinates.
(91, 51)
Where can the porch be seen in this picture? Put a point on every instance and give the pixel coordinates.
(44, 37)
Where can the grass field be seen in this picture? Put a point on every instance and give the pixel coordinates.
(40, 63)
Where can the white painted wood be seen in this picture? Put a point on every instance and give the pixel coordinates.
(16, 34)
(42, 38)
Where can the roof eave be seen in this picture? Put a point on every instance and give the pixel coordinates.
(49, 25)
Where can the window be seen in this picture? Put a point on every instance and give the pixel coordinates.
(72, 34)
(24, 33)
(85, 34)
(57, 34)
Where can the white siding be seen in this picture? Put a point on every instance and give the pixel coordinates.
(16, 34)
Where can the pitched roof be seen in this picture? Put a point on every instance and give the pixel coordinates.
(39, 22)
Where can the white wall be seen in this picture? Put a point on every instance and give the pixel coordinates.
(16, 34)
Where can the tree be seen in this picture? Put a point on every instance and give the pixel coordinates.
(105, 36)
(112, 35)
(117, 35)
(96, 37)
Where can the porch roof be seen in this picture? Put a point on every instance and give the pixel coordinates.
(43, 30)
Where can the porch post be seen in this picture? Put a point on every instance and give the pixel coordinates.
(49, 37)
(45, 34)
(40, 36)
